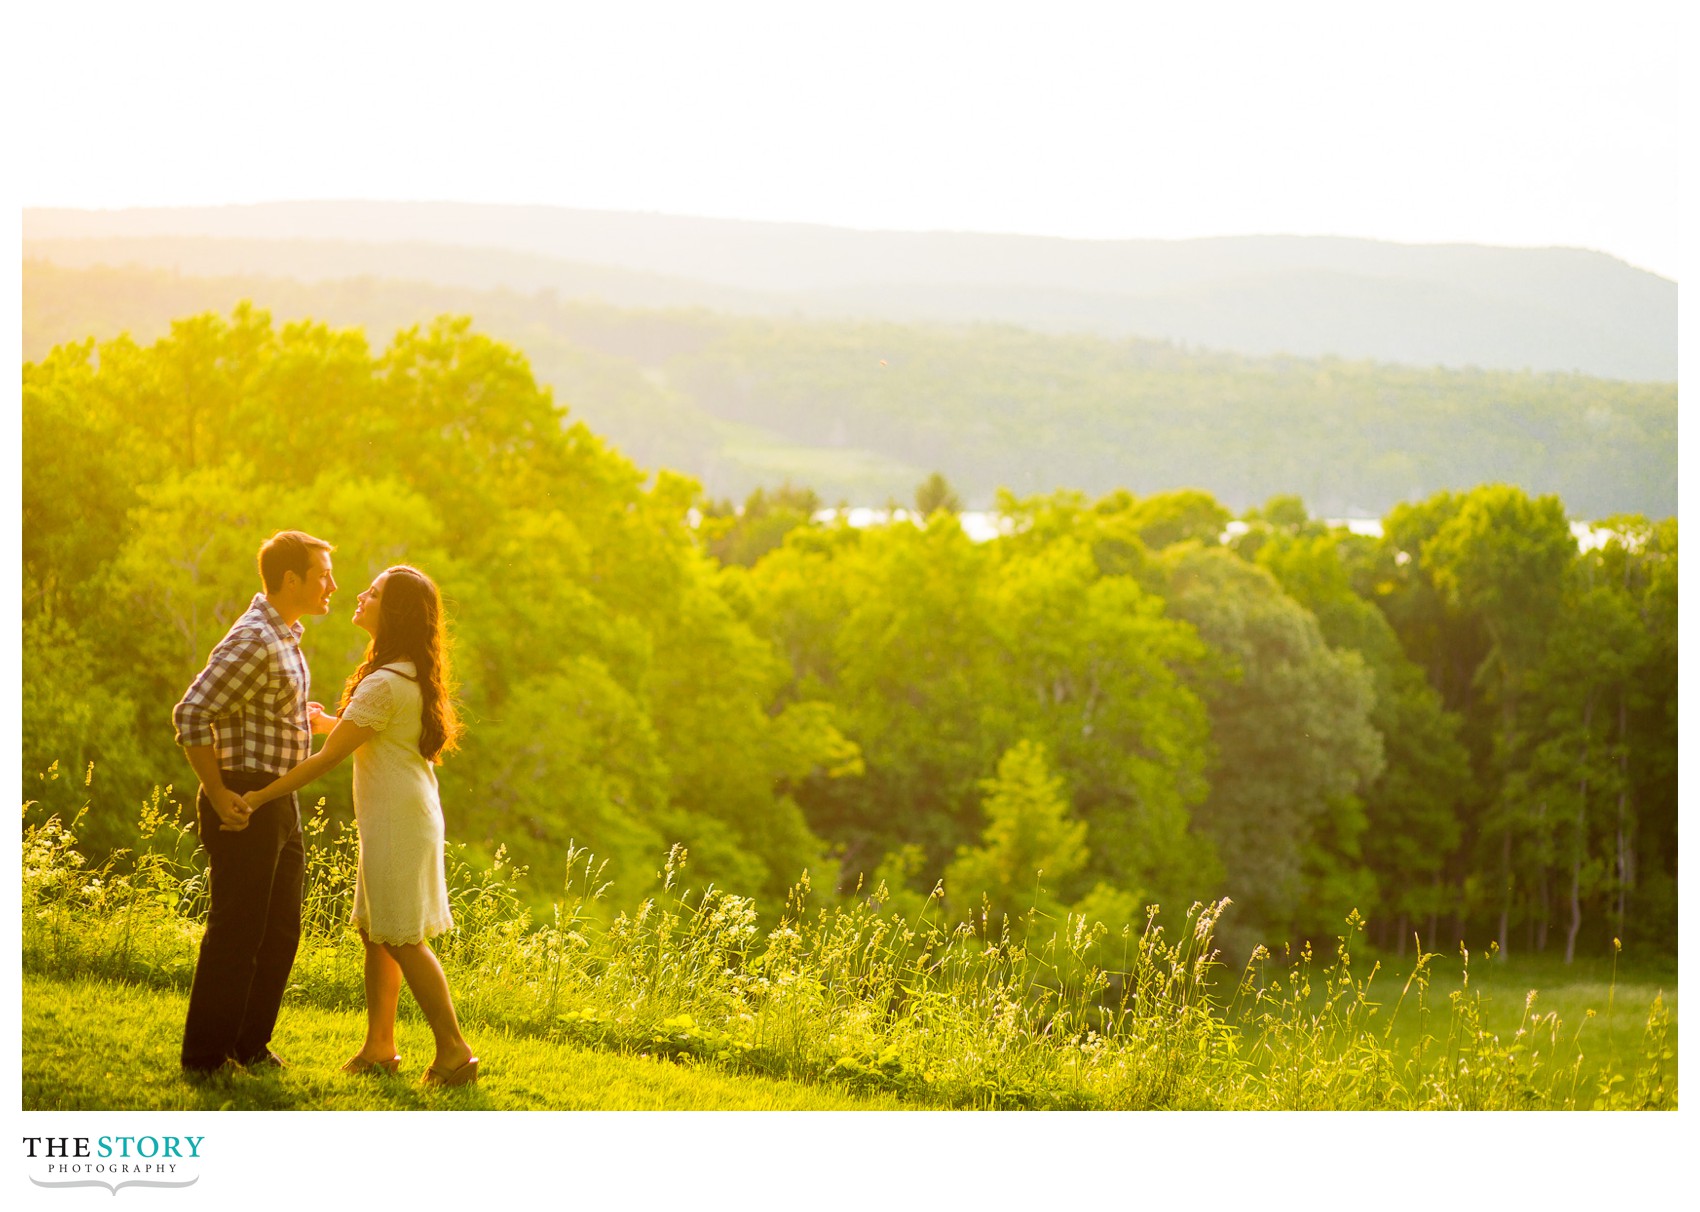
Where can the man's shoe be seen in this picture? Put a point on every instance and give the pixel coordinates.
(265, 1060)
(223, 1071)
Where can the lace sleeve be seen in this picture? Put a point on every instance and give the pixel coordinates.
(372, 704)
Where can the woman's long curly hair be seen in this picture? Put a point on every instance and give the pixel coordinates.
(410, 628)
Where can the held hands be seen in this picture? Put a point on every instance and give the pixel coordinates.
(320, 722)
(245, 805)
(232, 809)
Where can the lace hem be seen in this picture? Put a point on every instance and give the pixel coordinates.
(430, 931)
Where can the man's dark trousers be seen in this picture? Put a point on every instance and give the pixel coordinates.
(253, 928)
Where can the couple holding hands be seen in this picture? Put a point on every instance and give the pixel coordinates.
(246, 724)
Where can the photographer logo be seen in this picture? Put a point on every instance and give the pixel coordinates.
(113, 1162)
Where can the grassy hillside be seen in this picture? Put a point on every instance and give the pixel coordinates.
(830, 1009)
(859, 410)
(92, 1045)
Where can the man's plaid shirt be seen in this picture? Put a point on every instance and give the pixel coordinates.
(251, 699)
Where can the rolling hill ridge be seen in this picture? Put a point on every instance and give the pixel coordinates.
(1546, 309)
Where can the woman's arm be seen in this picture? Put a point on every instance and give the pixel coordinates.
(344, 739)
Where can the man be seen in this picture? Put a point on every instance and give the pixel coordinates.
(244, 721)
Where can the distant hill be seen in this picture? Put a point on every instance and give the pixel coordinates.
(409, 261)
(1549, 309)
(862, 410)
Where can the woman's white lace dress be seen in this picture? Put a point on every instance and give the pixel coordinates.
(400, 895)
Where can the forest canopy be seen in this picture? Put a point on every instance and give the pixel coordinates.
(1465, 724)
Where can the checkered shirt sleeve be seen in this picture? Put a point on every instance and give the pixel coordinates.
(250, 702)
(235, 672)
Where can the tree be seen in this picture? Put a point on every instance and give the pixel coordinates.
(1095, 668)
(1410, 825)
(1175, 517)
(910, 663)
(1568, 774)
(1029, 848)
(1502, 558)
(935, 494)
(1289, 719)
(744, 536)
(1641, 557)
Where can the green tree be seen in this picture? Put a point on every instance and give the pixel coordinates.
(1641, 557)
(743, 536)
(1410, 824)
(1289, 718)
(1503, 559)
(934, 494)
(1095, 668)
(1176, 517)
(1030, 847)
(1568, 775)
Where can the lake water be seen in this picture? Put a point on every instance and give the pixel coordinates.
(981, 526)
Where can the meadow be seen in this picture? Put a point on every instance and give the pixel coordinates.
(93, 1044)
(697, 1000)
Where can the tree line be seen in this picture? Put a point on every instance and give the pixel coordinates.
(1465, 727)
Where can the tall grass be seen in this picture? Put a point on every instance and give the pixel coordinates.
(1026, 1013)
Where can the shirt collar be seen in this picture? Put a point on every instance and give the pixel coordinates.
(274, 619)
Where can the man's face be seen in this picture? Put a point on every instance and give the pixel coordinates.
(316, 587)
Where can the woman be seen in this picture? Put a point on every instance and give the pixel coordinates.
(397, 719)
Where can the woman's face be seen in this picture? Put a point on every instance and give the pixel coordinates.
(367, 606)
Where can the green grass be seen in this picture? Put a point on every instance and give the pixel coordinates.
(1570, 1032)
(860, 999)
(97, 1045)
(1607, 1037)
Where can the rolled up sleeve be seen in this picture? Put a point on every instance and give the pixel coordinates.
(235, 671)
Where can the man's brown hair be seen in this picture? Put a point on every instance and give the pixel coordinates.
(286, 551)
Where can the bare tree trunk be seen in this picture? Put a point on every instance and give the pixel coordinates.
(1402, 929)
(1575, 909)
(1581, 839)
(1508, 729)
(1625, 874)
(1505, 902)
(1622, 867)
(1540, 943)
(1632, 866)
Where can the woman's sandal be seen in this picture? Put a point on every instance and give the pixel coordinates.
(360, 1065)
(463, 1076)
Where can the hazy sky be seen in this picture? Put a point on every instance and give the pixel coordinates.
(1545, 123)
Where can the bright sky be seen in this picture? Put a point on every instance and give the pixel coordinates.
(1528, 124)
